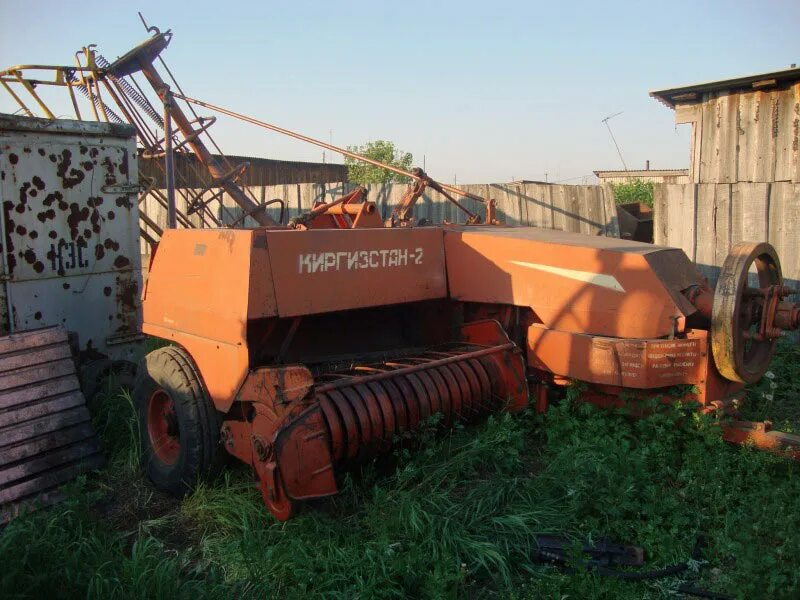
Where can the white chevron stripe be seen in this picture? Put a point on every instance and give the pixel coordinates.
(606, 281)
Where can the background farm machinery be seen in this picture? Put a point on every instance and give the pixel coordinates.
(305, 347)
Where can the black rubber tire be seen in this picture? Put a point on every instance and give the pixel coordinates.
(172, 369)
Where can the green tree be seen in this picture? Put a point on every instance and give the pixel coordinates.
(633, 190)
(383, 151)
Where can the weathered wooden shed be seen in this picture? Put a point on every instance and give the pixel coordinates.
(745, 129)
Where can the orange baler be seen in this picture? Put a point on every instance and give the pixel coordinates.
(300, 351)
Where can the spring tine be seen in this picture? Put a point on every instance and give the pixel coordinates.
(387, 414)
(337, 434)
(350, 421)
(375, 414)
(409, 398)
(445, 406)
(362, 418)
(433, 394)
(498, 383)
(456, 404)
(483, 378)
(474, 387)
(374, 411)
(466, 394)
(400, 412)
(422, 395)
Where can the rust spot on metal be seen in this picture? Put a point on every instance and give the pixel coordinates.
(107, 290)
(75, 176)
(23, 196)
(41, 152)
(21, 230)
(38, 266)
(83, 149)
(37, 182)
(108, 164)
(52, 235)
(33, 234)
(87, 165)
(111, 215)
(124, 202)
(111, 244)
(129, 291)
(45, 215)
(93, 152)
(99, 252)
(65, 285)
(76, 216)
(13, 158)
(121, 261)
(29, 255)
(37, 315)
(53, 197)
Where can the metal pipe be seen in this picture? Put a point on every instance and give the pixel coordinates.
(325, 145)
(169, 166)
(350, 209)
(200, 150)
(412, 369)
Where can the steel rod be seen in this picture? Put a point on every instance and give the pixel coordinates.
(305, 138)
(169, 166)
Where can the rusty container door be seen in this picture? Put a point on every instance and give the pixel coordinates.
(70, 217)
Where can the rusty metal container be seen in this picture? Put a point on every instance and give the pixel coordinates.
(635, 222)
(70, 233)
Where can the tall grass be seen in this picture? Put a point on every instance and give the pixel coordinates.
(457, 517)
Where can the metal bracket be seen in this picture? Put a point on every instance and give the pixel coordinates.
(123, 188)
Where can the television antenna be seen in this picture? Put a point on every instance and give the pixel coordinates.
(613, 139)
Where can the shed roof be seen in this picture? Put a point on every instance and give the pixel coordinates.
(641, 172)
(691, 93)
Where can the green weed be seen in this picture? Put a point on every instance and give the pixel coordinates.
(454, 516)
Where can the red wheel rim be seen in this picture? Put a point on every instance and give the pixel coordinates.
(162, 427)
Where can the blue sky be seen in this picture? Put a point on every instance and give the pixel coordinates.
(486, 91)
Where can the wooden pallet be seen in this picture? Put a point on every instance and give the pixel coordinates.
(46, 437)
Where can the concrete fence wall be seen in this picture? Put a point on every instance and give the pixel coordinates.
(579, 208)
(706, 219)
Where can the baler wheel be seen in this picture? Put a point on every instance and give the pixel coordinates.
(740, 353)
(179, 427)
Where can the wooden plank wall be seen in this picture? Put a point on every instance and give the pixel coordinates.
(751, 136)
(706, 219)
(579, 208)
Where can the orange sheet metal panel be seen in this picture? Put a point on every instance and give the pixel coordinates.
(323, 270)
(198, 294)
(573, 282)
(642, 364)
